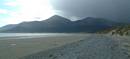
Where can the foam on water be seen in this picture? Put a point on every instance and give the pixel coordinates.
(31, 34)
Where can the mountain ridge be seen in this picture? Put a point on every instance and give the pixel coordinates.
(60, 24)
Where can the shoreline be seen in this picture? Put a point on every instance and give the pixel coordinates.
(93, 47)
(14, 48)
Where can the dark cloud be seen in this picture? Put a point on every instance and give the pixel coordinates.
(110, 9)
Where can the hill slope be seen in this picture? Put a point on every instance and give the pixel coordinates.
(60, 24)
(118, 30)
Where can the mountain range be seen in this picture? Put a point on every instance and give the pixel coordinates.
(59, 24)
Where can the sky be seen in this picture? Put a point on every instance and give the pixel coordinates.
(78, 9)
(16, 11)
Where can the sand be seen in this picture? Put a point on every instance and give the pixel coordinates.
(71, 46)
(17, 47)
(91, 47)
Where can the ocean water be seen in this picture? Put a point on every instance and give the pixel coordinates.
(37, 34)
(30, 34)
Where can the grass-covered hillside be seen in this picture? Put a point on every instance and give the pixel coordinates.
(118, 30)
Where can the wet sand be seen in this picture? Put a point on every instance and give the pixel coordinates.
(17, 47)
(91, 47)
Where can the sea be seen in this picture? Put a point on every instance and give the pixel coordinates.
(28, 34)
(33, 34)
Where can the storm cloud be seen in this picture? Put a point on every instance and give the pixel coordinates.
(109, 9)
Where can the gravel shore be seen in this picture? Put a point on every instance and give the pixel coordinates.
(92, 47)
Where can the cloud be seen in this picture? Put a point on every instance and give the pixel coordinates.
(12, 4)
(3, 11)
(35, 8)
(28, 10)
(110, 9)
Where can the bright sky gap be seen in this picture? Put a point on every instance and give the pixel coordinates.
(16, 11)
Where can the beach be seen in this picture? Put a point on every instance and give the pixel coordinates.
(14, 47)
(64, 46)
(92, 47)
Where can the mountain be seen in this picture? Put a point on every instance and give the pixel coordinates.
(54, 24)
(60, 24)
(10, 26)
(91, 24)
